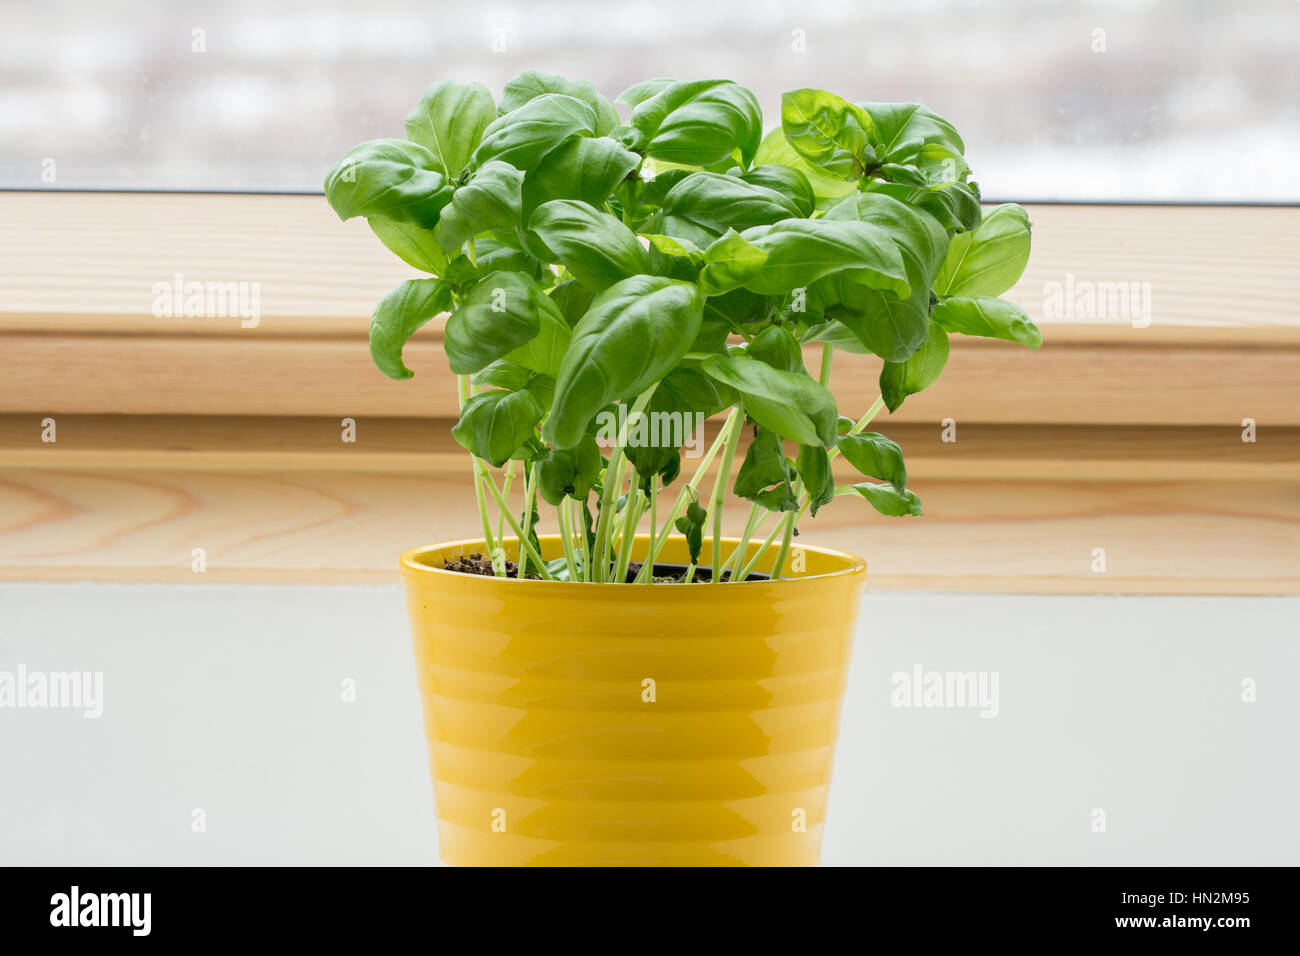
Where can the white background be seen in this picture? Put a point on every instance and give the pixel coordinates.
(229, 698)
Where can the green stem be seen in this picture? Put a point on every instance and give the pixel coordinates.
(505, 493)
(828, 352)
(530, 499)
(561, 516)
(858, 427)
(524, 544)
(748, 569)
(656, 485)
(613, 474)
(778, 566)
(630, 520)
(580, 529)
(752, 524)
(615, 543)
(480, 475)
(719, 495)
(687, 493)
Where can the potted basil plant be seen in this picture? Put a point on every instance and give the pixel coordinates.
(634, 686)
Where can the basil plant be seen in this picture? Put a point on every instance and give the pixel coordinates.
(613, 278)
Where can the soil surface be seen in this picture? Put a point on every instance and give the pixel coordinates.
(478, 563)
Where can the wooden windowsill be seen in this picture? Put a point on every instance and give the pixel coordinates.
(1008, 508)
(175, 433)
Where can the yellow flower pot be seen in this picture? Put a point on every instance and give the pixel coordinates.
(620, 724)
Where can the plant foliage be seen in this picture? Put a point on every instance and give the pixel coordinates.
(672, 264)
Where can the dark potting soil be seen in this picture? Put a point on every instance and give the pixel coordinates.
(477, 563)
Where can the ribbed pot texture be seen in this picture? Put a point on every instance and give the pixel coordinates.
(616, 724)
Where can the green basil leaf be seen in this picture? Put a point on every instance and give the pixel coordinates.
(515, 378)
(554, 474)
(656, 185)
(413, 244)
(930, 167)
(708, 204)
(814, 467)
(492, 256)
(834, 333)
(901, 379)
(788, 403)
(573, 298)
(634, 333)
(880, 322)
(684, 394)
(713, 334)
(920, 238)
(677, 248)
(668, 473)
(491, 199)
(523, 136)
(690, 391)
(691, 525)
(584, 168)
(449, 121)
(739, 308)
(776, 150)
(833, 134)
(699, 122)
(503, 374)
(905, 127)
(569, 472)
(594, 246)
(885, 324)
(988, 317)
(788, 182)
(531, 84)
(886, 499)
(729, 263)
(875, 456)
(989, 259)
(496, 425)
(801, 251)
(766, 476)
(398, 315)
(390, 178)
(660, 263)
(778, 348)
(497, 316)
(544, 352)
(956, 207)
(634, 96)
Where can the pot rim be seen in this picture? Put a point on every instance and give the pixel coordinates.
(854, 566)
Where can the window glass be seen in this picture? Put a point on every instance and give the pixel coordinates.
(1176, 100)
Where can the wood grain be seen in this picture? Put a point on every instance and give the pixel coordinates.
(89, 261)
(179, 433)
(1177, 510)
(985, 381)
(423, 446)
